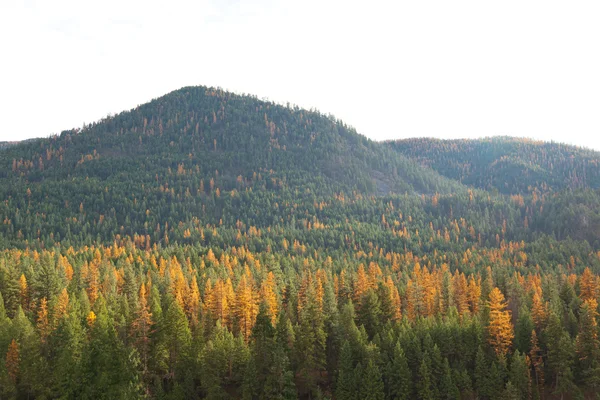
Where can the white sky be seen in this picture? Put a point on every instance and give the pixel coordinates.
(391, 69)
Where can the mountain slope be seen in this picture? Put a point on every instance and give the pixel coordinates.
(509, 165)
(196, 153)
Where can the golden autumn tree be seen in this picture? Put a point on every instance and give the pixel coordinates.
(246, 307)
(93, 282)
(539, 313)
(24, 292)
(500, 329)
(411, 300)
(361, 285)
(13, 360)
(588, 285)
(395, 299)
(91, 319)
(192, 302)
(43, 324)
(474, 293)
(461, 297)
(219, 300)
(269, 296)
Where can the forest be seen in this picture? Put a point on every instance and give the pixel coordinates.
(210, 245)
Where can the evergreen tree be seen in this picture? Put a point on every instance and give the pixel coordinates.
(108, 369)
(400, 379)
(523, 329)
(178, 338)
(346, 388)
(483, 384)
(371, 387)
(310, 346)
(587, 345)
(519, 375)
(424, 383)
(448, 389)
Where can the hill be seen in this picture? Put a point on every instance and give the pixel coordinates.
(196, 153)
(508, 165)
(208, 245)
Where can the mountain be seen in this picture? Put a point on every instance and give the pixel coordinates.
(184, 149)
(199, 126)
(508, 165)
(208, 245)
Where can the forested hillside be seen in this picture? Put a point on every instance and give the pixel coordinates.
(175, 158)
(208, 245)
(508, 165)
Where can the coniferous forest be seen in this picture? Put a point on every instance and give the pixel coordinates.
(209, 245)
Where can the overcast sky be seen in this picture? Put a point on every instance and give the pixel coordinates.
(391, 69)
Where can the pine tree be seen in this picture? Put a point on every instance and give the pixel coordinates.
(519, 375)
(177, 335)
(447, 387)
(262, 347)
(482, 375)
(142, 327)
(369, 314)
(224, 359)
(537, 362)
(108, 369)
(424, 382)
(587, 344)
(279, 384)
(400, 380)
(371, 387)
(310, 345)
(346, 388)
(61, 307)
(67, 343)
(523, 329)
(560, 355)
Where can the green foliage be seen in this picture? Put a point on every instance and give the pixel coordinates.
(376, 260)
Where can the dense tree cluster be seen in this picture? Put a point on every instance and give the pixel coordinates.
(209, 245)
(195, 322)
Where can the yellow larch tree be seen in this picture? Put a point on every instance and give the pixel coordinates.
(61, 307)
(24, 292)
(588, 285)
(538, 310)
(361, 285)
(474, 294)
(246, 307)
(192, 302)
(13, 360)
(91, 319)
(395, 297)
(500, 329)
(461, 290)
(269, 296)
(43, 324)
